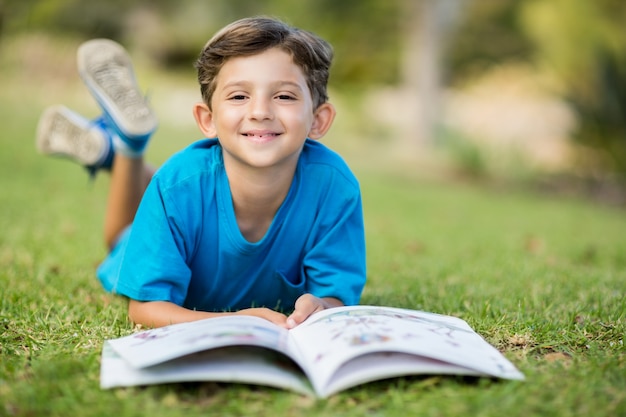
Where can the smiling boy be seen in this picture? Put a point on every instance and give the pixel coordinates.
(260, 219)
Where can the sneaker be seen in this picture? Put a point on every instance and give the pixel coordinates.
(107, 71)
(61, 132)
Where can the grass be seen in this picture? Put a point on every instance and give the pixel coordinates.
(542, 279)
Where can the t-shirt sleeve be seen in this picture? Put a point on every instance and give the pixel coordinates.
(153, 266)
(335, 265)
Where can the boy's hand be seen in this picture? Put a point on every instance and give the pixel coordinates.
(308, 304)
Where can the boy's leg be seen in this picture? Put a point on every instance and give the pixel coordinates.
(129, 179)
(106, 69)
(63, 132)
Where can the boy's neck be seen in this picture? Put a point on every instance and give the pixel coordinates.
(257, 196)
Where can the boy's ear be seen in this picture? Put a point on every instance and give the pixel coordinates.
(323, 119)
(204, 120)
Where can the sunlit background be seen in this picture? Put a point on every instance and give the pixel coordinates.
(528, 92)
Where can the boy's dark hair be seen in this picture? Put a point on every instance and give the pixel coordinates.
(254, 35)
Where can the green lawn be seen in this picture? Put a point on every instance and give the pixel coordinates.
(543, 279)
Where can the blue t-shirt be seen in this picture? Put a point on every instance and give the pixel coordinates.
(185, 246)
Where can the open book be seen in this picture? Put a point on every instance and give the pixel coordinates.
(332, 350)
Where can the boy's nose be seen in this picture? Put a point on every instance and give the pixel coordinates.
(260, 109)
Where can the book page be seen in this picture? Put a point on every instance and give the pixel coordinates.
(331, 338)
(162, 344)
(382, 365)
(243, 364)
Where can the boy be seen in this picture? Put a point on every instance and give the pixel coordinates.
(260, 219)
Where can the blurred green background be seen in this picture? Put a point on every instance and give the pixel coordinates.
(528, 92)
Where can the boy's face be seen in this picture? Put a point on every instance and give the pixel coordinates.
(262, 111)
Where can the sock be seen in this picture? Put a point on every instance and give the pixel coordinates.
(122, 147)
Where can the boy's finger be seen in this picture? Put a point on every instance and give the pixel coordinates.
(305, 306)
(296, 318)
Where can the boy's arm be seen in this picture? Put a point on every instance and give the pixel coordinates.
(163, 313)
(308, 304)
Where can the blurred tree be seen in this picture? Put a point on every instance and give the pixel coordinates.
(583, 44)
(92, 18)
(488, 33)
(427, 26)
(368, 39)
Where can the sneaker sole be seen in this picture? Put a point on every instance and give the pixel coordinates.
(107, 71)
(60, 132)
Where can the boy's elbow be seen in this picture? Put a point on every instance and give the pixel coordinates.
(135, 311)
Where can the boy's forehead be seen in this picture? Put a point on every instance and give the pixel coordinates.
(275, 53)
(271, 63)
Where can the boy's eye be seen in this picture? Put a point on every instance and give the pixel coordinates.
(238, 97)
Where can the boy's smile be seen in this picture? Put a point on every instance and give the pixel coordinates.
(262, 111)
(260, 135)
